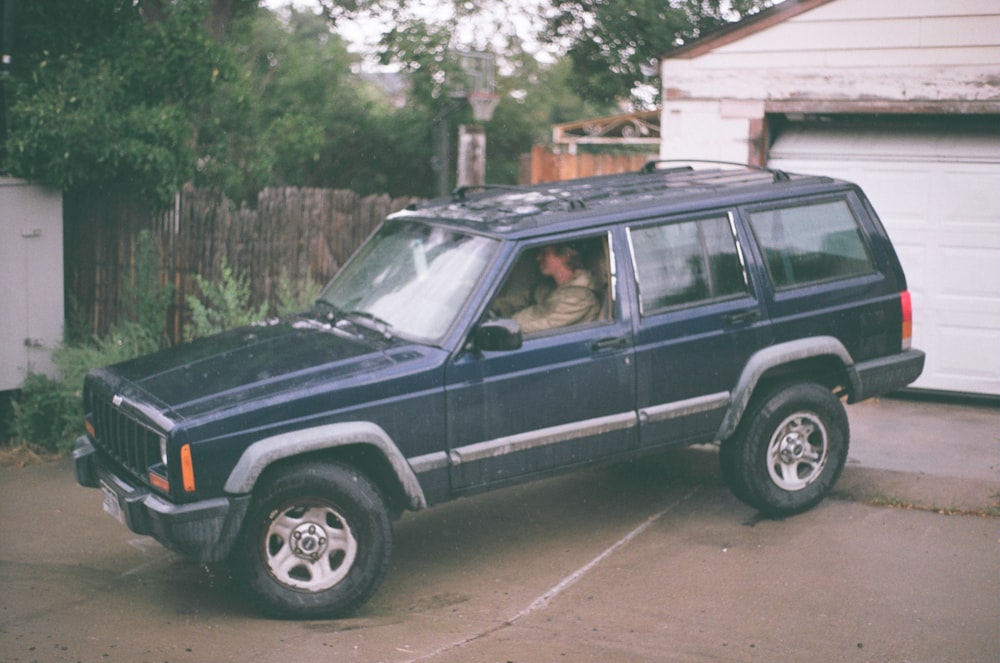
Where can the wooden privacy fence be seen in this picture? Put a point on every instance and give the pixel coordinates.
(547, 166)
(299, 235)
(296, 235)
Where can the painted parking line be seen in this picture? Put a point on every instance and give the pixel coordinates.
(543, 601)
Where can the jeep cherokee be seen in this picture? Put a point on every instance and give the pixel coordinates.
(725, 304)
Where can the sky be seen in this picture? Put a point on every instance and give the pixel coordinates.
(363, 35)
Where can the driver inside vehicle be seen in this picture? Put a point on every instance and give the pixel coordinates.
(565, 295)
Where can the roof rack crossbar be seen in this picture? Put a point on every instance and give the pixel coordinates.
(652, 166)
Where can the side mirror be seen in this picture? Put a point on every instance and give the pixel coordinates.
(498, 335)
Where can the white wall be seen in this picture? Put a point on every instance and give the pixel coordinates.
(842, 56)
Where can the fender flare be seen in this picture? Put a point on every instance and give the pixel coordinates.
(776, 355)
(262, 453)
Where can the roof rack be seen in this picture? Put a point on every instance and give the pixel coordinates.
(508, 205)
(653, 166)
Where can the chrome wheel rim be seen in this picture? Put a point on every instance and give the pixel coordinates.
(797, 451)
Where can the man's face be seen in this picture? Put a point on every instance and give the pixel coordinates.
(548, 261)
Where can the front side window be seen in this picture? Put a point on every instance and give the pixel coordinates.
(687, 262)
(811, 243)
(412, 277)
(558, 285)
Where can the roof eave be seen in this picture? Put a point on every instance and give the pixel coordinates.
(748, 26)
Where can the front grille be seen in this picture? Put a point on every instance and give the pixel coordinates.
(133, 444)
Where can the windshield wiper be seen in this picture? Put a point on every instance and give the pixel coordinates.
(331, 312)
(382, 326)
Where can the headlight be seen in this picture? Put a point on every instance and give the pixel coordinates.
(163, 451)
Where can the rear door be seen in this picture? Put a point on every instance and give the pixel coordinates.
(700, 318)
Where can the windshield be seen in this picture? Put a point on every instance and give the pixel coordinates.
(411, 279)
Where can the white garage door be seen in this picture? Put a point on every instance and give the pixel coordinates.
(937, 190)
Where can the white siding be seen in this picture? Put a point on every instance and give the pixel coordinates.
(864, 50)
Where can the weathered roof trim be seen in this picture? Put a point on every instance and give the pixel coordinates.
(883, 106)
(748, 26)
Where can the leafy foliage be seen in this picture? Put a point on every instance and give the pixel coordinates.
(45, 415)
(611, 43)
(294, 113)
(533, 95)
(295, 296)
(223, 305)
(137, 98)
(103, 96)
(48, 412)
(149, 297)
(530, 103)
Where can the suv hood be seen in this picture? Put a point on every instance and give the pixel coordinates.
(249, 364)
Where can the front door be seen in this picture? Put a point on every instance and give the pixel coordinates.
(566, 397)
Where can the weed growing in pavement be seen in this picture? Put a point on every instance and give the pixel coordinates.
(991, 511)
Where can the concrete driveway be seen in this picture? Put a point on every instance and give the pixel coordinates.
(638, 562)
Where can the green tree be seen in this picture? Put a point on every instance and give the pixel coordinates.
(108, 94)
(533, 95)
(531, 101)
(295, 113)
(614, 46)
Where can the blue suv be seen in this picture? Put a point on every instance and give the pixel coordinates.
(501, 335)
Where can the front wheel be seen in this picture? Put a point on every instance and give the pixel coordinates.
(788, 450)
(316, 542)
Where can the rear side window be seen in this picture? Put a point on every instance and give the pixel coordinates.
(687, 262)
(811, 243)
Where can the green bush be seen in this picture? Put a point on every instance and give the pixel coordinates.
(48, 413)
(295, 296)
(148, 296)
(223, 305)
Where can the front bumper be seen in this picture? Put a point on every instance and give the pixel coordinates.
(204, 531)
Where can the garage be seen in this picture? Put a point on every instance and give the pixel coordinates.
(900, 96)
(935, 182)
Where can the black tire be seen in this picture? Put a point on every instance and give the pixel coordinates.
(789, 449)
(316, 542)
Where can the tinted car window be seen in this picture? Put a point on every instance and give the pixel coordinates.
(687, 262)
(811, 243)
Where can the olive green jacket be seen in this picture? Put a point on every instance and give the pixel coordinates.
(571, 303)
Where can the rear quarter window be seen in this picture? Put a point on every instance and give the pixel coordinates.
(686, 263)
(811, 243)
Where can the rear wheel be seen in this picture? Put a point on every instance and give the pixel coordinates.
(316, 542)
(789, 449)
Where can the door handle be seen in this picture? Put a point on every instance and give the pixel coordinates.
(742, 317)
(610, 343)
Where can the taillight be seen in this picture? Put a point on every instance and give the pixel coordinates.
(907, 306)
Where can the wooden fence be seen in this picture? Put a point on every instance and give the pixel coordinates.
(547, 166)
(299, 235)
